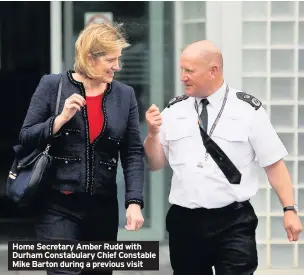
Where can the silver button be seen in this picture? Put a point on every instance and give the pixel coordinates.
(66, 162)
(109, 168)
(66, 133)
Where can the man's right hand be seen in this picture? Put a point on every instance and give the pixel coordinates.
(154, 120)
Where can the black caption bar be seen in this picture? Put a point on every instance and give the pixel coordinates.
(66, 255)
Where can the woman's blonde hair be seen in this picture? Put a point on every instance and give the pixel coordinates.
(97, 40)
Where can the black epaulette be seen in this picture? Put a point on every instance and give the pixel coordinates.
(177, 99)
(254, 102)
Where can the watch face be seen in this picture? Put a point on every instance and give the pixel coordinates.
(296, 208)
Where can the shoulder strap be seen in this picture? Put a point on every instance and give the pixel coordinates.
(253, 101)
(177, 99)
(58, 95)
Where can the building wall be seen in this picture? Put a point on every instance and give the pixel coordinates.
(262, 44)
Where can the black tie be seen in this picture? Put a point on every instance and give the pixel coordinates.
(204, 114)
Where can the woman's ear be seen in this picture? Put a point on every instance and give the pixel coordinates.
(90, 59)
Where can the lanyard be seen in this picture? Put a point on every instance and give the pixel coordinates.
(217, 118)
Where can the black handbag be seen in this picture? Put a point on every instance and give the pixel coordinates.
(26, 182)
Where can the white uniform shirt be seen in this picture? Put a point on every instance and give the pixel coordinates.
(243, 133)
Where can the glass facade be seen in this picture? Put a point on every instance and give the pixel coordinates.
(146, 66)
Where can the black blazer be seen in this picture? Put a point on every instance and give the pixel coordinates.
(80, 166)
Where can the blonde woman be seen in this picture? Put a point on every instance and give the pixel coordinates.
(98, 122)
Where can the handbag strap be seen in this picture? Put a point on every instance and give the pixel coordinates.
(58, 95)
(46, 150)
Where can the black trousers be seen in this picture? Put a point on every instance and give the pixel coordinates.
(81, 218)
(224, 238)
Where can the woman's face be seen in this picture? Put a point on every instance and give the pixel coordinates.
(107, 65)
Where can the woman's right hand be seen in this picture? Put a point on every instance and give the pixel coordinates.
(71, 105)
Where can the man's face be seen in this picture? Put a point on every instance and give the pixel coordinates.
(195, 75)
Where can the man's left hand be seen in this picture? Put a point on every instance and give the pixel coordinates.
(134, 217)
(292, 225)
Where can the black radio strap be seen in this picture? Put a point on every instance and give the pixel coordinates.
(232, 174)
(230, 171)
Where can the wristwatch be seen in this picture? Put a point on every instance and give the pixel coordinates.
(293, 208)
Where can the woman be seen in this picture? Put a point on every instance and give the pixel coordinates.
(98, 121)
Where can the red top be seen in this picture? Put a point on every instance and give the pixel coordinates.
(96, 119)
(95, 115)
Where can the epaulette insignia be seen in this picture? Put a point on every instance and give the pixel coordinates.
(177, 99)
(254, 102)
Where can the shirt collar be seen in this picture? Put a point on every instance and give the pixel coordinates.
(215, 98)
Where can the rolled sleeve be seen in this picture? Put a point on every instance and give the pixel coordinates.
(264, 140)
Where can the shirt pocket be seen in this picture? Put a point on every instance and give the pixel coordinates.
(180, 140)
(232, 137)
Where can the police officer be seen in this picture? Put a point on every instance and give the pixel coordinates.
(214, 137)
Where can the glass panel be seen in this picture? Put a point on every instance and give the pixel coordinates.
(282, 33)
(301, 62)
(254, 9)
(194, 32)
(301, 256)
(136, 71)
(277, 230)
(261, 230)
(301, 144)
(255, 86)
(275, 204)
(301, 9)
(281, 256)
(194, 9)
(282, 61)
(301, 88)
(301, 172)
(300, 201)
(282, 8)
(301, 116)
(254, 61)
(288, 141)
(259, 201)
(282, 88)
(282, 116)
(262, 255)
(254, 33)
(301, 33)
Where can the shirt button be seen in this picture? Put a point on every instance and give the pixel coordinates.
(66, 133)
(66, 162)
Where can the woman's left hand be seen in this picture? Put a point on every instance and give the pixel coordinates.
(134, 217)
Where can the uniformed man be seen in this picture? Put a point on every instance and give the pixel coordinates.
(214, 137)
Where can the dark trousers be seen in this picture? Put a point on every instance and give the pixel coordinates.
(78, 218)
(224, 238)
